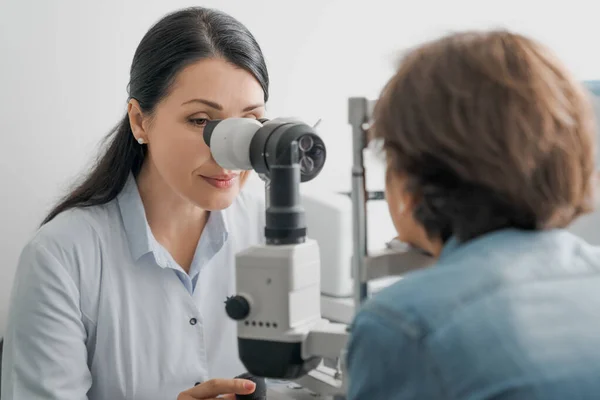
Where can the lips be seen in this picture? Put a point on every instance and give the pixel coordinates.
(221, 181)
(222, 177)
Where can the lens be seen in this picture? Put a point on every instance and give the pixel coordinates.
(305, 143)
(276, 149)
(307, 165)
(316, 155)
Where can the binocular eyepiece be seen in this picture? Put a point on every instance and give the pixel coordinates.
(248, 144)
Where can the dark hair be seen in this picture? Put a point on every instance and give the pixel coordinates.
(176, 41)
(490, 131)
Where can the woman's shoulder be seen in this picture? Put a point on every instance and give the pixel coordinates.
(61, 265)
(79, 223)
(73, 233)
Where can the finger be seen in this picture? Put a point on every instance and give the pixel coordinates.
(223, 397)
(216, 387)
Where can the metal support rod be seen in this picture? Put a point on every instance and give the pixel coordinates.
(358, 117)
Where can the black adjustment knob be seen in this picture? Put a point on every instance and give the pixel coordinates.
(237, 307)
(260, 392)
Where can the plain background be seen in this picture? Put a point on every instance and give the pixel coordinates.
(64, 69)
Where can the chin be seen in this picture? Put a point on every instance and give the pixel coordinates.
(210, 198)
(216, 204)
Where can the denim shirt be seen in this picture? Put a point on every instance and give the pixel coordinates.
(509, 315)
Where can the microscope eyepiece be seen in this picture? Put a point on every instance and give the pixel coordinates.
(286, 152)
(248, 144)
(208, 130)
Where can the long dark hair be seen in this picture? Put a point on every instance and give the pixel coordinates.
(177, 40)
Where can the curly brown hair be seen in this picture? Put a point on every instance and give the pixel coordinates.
(491, 131)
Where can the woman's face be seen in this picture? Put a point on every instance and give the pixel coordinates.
(209, 89)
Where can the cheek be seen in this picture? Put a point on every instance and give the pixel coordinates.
(177, 146)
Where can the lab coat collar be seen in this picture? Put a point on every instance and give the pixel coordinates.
(139, 235)
(138, 231)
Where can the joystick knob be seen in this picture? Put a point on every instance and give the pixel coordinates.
(260, 393)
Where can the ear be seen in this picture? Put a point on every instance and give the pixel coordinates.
(399, 197)
(401, 203)
(137, 121)
(408, 199)
(396, 196)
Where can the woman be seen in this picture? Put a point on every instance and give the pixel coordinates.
(490, 148)
(120, 293)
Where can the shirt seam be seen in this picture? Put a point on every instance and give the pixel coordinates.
(93, 228)
(57, 261)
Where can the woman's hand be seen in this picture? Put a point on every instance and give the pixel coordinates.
(216, 389)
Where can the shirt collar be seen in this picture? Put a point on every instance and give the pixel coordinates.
(485, 244)
(213, 238)
(138, 231)
(140, 237)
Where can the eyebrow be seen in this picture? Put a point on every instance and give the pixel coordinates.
(219, 107)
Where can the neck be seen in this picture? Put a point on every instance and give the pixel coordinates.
(431, 244)
(436, 248)
(175, 222)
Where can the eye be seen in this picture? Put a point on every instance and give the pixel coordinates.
(198, 122)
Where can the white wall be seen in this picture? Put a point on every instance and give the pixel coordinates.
(64, 67)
